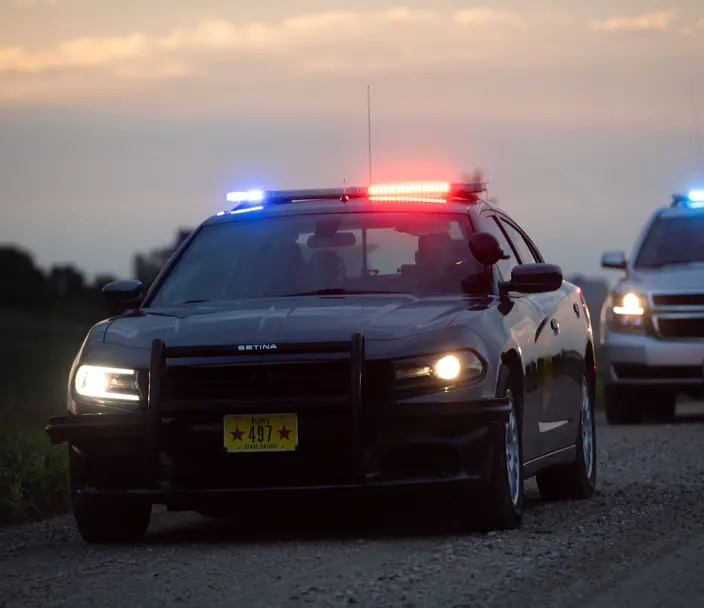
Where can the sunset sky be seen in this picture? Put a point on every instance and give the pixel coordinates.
(120, 121)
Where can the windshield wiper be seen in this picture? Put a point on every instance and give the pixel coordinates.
(191, 302)
(337, 291)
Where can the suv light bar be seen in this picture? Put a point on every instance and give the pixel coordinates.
(694, 200)
(410, 191)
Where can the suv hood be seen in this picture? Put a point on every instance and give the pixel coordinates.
(670, 278)
(290, 320)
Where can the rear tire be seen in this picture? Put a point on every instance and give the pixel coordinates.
(99, 521)
(622, 406)
(500, 504)
(577, 480)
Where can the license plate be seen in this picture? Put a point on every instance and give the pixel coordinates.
(261, 433)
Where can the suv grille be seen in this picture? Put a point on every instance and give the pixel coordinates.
(678, 316)
(679, 299)
(681, 328)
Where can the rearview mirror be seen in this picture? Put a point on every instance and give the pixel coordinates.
(122, 295)
(339, 239)
(486, 249)
(534, 278)
(614, 259)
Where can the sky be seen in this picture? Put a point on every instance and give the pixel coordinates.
(122, 121)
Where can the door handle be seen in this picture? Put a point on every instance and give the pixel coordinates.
(555, 326)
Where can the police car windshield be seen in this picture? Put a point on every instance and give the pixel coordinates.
(380, 252)
(673, 241)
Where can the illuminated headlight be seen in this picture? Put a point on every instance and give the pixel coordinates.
(107, 383)
(628, 311)
(631, 304)
(450, 368)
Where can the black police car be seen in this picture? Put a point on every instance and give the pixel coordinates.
(389, 338)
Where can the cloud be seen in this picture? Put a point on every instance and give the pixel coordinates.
(649, 21)
(398, 29)
(238, 63)
(35, 3)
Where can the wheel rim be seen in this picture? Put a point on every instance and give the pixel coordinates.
(513, 454)
(587, 430)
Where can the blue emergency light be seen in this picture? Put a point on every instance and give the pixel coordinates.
(693, 200)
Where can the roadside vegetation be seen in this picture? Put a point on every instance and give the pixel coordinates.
(35, 356)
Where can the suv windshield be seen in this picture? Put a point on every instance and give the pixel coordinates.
(673, 240)
(326, 253)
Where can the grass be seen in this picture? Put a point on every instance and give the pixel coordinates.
(35, 356)
(33, 475)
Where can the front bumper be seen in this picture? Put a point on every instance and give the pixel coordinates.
(178, 458)
(632, 360)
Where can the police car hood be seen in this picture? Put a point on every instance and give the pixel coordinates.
(689, 277)
(304, 319)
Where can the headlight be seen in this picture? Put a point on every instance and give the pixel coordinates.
(631, 304)
(107, 383)
(445, 369)
(628, 311)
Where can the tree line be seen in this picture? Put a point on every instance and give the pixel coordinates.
(26, 287)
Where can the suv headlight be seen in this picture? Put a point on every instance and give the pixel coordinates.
(441, 370)
(108, 384)
(628, 311)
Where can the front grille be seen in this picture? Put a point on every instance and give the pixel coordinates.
(678, 299)
(681, 328)
(323, 379)
(287, 380)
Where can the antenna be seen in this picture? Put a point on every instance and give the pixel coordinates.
(369, 129)
(699, 149)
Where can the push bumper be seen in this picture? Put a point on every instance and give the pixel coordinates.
(179, 459)
(405, 451)
(645, 361)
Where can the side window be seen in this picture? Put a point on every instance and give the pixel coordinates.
(505, 266)
(524, 250)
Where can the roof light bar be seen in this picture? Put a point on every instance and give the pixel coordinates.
(249, 196)
(410, 188)
(696, 196)
(408, 191)
(408, 199)
(694, 199)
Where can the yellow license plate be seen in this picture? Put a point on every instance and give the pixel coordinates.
(261, 433)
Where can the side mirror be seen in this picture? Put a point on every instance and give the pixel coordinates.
(486, 249)
(614, 259)
(534, 278)
(122, 295)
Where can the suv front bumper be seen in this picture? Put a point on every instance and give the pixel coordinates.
(633, 360)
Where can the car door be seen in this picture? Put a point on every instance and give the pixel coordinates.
(562, 394)
(523, 319)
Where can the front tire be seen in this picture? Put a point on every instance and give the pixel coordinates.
(500, 505)
(577, 480)
(102, 521)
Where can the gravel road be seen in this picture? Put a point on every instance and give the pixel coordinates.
(638, 542)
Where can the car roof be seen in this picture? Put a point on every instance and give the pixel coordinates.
(335, 206)
(667, 212)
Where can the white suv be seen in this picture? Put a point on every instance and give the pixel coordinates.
(652, 321)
